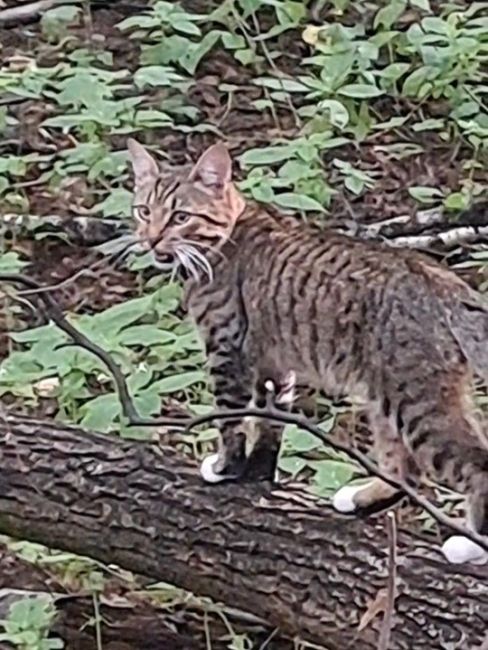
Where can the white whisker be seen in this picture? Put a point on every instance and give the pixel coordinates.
(186, 261)
(199, 260)
(192, 249)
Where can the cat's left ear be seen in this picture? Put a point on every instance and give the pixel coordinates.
(144, 166)
(213, 169)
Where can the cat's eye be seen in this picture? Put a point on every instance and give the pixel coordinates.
(142, 212)
(180, 217)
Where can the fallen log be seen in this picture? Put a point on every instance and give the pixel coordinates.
(266, 550)
(125, 609)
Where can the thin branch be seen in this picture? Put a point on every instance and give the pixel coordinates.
(385, 634)
(56, 315)
(25, 12)
(188, 422)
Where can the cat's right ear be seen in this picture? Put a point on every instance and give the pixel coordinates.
(144, 166)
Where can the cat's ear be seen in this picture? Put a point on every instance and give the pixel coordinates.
(144, 166)
(213, 169)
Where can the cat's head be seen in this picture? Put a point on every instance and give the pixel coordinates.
(181, 218)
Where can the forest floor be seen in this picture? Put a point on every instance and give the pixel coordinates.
(356, 118)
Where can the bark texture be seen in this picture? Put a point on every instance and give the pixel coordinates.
(270, 551)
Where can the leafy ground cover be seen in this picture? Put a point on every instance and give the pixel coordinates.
(341, 112)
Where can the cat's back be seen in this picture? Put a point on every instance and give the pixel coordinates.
(322, 296)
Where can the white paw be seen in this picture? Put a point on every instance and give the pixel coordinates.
(343, 499)
(207, 470)
(458, 549)
(269, 385)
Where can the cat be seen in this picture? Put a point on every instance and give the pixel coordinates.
(389, 327)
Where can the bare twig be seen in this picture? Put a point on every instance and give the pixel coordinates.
(385, 634)
(448, 239)
(25, 12)
(187, 422)
(57, 316)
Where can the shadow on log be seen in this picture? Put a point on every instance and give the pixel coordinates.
(272, 552)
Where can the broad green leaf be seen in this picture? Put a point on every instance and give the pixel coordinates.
(156, 75)
(414, 81)
(360, 91)
(117, 203)
(144, 335)
(428, 125)
(179, 382)
(292, 464)
(394, 71)
(266, 155)
(457, 201)
(389, 14)
(195, 52)
(330, 475)
(100, 412)
(10, 262)
(298, 202)
(299, 441)
(233, 41)
(338, 113)
(142, 22)
(148, 402)
(424, 194)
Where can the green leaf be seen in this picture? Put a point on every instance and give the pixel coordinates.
(424, 194)
(100, 412)
(394, 71)
(330, 475)
(266, 155)
(298, 202)
(179, 382)
(156, 75)
(142, 22)
(386, 16)
(246, 57)
(11, 263)
(195, 53)
(360, 91)
(338, 113)
(457, 201)
(292, 464)
(148, 402)
(299, 441)
(144, 335)
(414, 81)
(233, 41)
(429, 125)
(186, 27)
(117, 203)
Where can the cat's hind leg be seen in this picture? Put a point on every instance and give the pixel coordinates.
(393, 459)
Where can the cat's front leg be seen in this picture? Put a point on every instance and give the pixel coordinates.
(232, 381)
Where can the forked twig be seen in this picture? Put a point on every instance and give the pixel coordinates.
(187, 422)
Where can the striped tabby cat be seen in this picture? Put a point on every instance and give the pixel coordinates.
(389, 327)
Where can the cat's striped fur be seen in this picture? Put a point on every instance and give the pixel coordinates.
(388, 327)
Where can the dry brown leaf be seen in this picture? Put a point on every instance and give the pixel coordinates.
(377, 606)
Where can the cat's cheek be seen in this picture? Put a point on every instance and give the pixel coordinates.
(458, 549)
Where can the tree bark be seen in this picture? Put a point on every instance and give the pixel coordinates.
(267, 550)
